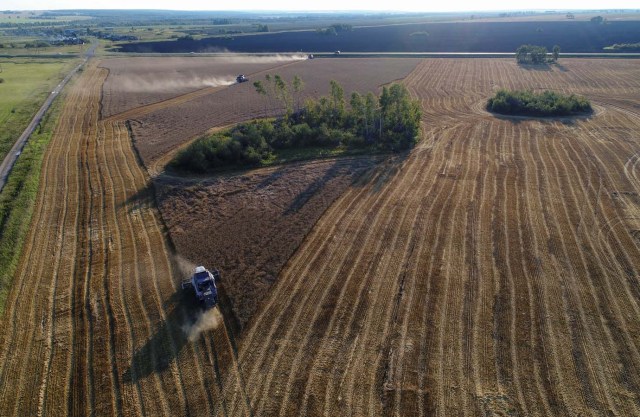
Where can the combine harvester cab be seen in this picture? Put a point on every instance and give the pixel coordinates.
(203, 283)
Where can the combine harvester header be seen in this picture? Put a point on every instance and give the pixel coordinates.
(203, 283)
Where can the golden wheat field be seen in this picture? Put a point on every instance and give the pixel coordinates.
(493, 270)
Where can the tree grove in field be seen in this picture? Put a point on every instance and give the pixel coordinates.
(529, 103)
(389, 122)
(531, 54)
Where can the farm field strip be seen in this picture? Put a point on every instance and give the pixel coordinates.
(495, 270)
(93, 312)
(169, 127)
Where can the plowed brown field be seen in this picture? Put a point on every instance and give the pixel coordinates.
(493, 271)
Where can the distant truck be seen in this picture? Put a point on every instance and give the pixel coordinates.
(241, 78)
(203, 283)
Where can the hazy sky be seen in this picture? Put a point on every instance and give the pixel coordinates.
(413, 5)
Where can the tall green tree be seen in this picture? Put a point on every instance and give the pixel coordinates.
(556, 53)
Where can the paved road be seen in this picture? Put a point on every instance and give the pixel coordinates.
(16, 150)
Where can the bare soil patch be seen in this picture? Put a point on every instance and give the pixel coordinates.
(249, 225)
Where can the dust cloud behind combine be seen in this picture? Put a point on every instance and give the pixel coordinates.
(140, 84)
(206, 320)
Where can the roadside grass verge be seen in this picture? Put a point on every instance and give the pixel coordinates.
(17, 199)
(26, 84)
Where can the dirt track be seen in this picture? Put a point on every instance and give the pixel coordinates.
(93, 322)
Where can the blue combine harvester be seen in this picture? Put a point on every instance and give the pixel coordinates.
(203, 283)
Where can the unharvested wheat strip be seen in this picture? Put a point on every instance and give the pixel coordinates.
(343, 208)
(314, 299)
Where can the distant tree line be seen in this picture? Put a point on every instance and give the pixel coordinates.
(334, 29)
(388, 122)
(528, 103)
(534, 54)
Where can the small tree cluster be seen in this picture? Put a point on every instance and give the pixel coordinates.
(388, 122)
(529, 103)
(531, 54)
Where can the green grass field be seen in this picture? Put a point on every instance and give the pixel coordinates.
(26, 84)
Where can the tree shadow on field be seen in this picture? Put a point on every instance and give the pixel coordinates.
(561, 67)
(157, 354)
(339, 167)
(379, 175)
(144, 197)
(535, 67)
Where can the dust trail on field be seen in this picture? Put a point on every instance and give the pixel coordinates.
(255, 59)
(135, 84)
(207, 320)
(185, 266)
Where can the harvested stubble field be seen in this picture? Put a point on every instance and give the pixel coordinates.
(493, 271)
(177, 121)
